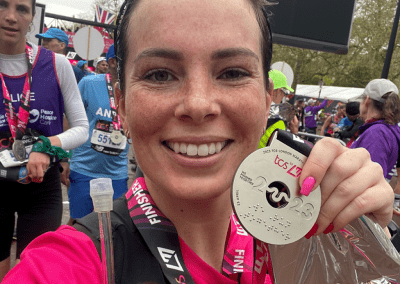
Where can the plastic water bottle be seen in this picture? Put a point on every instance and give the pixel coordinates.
(18, 174)
(102, 192)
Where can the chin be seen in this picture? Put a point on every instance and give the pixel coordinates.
(191, 188)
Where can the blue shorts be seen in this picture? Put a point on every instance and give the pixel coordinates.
(80, 202)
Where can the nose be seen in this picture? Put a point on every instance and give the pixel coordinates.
(199, 102)
(10, 16)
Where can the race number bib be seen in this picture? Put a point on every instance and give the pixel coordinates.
(101, 140)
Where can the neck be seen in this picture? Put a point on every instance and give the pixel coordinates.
(203, 225)
(373, 113)
(12, 49)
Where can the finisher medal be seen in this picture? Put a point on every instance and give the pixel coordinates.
(19, 150)
(117, 137)
(266, 192)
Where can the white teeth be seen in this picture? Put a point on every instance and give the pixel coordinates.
(191, 150)
(182, 148)
(211, 149)
(176, 147)
(202, 150)
(218, 147)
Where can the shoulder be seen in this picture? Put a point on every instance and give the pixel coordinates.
(119, 217)
(94, 78)
(380, 132)
(58, 253)
(61, 61)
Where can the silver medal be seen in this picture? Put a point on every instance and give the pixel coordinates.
(19, 150)
(116, 137)
(266, 195)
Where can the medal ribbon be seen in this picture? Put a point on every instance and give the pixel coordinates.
(158, 232)
(18, 123)
(161, 237)
(116, 121)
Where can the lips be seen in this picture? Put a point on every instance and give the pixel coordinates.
(9, 29)
(200, 150)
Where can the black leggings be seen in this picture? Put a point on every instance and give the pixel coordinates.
(39, 208)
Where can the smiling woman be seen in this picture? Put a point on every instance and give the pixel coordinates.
(194, 96)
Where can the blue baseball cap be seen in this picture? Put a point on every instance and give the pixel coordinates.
(55, 33)
(111, 52)
(81, 63)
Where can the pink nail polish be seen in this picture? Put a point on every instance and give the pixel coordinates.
(313, 230)
(329, 229)
(307, 186)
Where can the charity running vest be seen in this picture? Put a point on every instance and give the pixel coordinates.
(47, 103)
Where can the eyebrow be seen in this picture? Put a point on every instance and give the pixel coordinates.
(160, 52)
(178, 56)
(233, 52)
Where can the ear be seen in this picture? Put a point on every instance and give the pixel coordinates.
(268, 98)
(121, 110)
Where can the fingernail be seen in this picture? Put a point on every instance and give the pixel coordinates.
(329, 229)
(312, 231)
(307, 186)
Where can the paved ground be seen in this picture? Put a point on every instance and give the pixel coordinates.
(65, 216)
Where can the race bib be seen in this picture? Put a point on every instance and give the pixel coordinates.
(101, 140)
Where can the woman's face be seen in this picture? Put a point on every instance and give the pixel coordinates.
(341, 111)
(195, 99)
(15, 18)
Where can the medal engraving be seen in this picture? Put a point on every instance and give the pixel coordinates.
(19, 150)
(116, 137)
(266, 195)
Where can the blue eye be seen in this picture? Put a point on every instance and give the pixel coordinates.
(159, 76)
(233, 74)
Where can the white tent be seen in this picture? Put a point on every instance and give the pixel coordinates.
(343, 94)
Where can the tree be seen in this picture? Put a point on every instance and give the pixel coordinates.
(371, 30)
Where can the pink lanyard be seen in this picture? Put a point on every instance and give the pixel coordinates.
(18, 123)
(116, 121)
(156, 229)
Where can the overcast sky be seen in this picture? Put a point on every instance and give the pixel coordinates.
(67, 7)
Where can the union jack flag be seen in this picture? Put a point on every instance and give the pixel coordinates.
(103, 16)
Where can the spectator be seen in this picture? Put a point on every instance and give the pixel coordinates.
(380, 135)
(311, 112)
(101, 65)
(83, 66)
(281, 89)
(300, 105)
(353, 116)
(332, 121)
(55, 40)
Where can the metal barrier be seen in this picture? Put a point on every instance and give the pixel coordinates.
(318, 137)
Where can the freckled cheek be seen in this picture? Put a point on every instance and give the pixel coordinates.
(146, 115)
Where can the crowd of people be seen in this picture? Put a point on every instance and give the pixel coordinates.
(194, 98)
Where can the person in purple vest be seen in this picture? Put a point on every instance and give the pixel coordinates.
(380, 134)
(37, 86)
(311, 112)
(193, 94)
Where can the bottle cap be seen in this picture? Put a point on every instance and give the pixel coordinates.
(102, 192)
